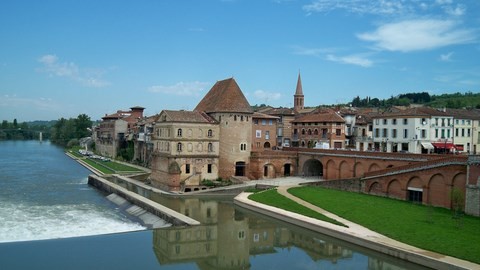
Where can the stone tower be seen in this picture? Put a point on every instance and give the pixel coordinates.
(298, 98)
(226, 103)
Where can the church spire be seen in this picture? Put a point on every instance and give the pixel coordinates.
(298, 98)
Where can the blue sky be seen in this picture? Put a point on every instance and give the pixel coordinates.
(62, 58)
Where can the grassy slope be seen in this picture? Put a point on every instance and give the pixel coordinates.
(422, 226)
(273, 198)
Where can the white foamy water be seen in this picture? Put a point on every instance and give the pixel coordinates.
(44, 194)
(22, 222)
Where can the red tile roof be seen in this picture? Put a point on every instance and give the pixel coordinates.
(320, 115)
(225, 96)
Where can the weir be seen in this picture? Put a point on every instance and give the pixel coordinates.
(141, 203)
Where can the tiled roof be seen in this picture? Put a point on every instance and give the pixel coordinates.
(473, 114)
(263, 116)
(225, 96)
(185, 117)
(419, 111)
(278, 111)
(320, 115)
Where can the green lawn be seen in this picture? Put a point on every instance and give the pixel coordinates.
(273, 198)
(426, 227)
(97, 166)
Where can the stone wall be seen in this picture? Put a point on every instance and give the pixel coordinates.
(352, 185)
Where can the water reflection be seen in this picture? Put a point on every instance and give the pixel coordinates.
(234, 238)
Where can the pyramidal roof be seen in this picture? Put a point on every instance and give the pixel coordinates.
(299, 90)
(225, 96)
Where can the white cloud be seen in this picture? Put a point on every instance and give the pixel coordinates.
(87, 77)
(446, 57)
(382, 7)
(312, 51)
(43, 104)
(181, 88)
(266, 95)
(414, 35)
(357, 60)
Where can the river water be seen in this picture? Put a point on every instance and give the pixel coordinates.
(44, 195)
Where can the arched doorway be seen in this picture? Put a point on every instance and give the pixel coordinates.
(312, 167)
(240, 168)
(287, 169)
(269, 171)
(266, 145)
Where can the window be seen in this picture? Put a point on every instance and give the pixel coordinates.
(405, 133)
(187, 168)
(241, 118)
(377, 132)
(303, 131)
(179, 147)
(448, 121)
(423, 133)
(338, 132)
(264, 122)
(234, 118)
(210, 133)
(443, 133)
(179, 132)
(243, 147)
(456, 132)
(394, 133)
(209, 168)
(436, 121)
(394, 121)
(448, 133)
(270, 122)
(267, 135)
(405, 121)
(377, 121)
(255, 121)
(443, 122)
(258, 133)
(463, 132)
(468, 132)
(385, 133)
(385, 121)
(424, 121)
(210, 147)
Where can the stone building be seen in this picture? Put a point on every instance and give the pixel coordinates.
(114, 130)
(264, 132)
(322, 128)
(185, 149)
(226, 104)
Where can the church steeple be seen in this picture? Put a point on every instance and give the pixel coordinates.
(298, 98)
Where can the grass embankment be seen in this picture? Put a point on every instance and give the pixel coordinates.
(426, 227)
(273, 198)
(110, 167)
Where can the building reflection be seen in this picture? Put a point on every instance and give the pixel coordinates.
(227, 238)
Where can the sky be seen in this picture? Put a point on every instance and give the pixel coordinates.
(62, 58)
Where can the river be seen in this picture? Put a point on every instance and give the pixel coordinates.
(51, 219)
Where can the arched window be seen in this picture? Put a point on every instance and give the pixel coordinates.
(303, 131)
(309, 132)
(210, 147)
(210, 133)
(179, 147)
(315, 132)
(179, 132)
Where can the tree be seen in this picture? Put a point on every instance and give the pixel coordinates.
(15, 124)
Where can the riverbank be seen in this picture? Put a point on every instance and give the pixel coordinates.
(355, 234)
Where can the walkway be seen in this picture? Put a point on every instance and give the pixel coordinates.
(354, 233)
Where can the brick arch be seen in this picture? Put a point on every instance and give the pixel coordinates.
(437, 190)
(459, 181)
(359, 169)
(376, 188)
(415, 182)
(343, 170)
(291, 168)
(270, 171)
(373, 167)
(313, 167)
(394, 190)
(330, 171)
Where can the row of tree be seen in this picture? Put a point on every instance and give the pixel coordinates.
(60, 131)
(23, 131)
(65, 130)
(452, 101)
